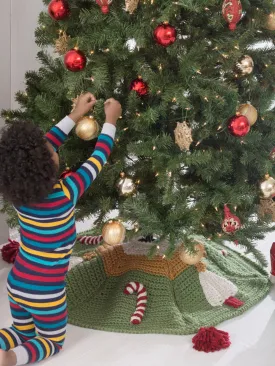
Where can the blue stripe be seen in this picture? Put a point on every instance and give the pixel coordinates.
(47, 212)
(46, 263)
(44, 232)
(20, 313)
(46, 324)
(32, 287)
(73, 186)
(106, 138)
(45, 311)
(56, 195)
(61, 134)
(2, 343)
(57, 244)
(40, 349)
(100, 154)
(86, 177)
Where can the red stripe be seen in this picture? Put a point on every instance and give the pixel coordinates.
(45, 239)
(142, 298)
(138, 315)
(53, 139)
(142, 292)
(80, 183)
(37, 278)
(104, 146)
(39, 269)
(14, 306)
(51, 318)
(51, 204)
(32, 351)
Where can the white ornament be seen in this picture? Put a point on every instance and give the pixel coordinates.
(183, 136)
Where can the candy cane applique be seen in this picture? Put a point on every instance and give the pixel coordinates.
(90, 240)
(142, 298)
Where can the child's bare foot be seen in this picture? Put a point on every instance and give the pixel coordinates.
(7, 358)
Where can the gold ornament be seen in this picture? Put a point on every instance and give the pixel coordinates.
(246, 65)
(249, 112)
(193, 258)
(126, 186)
(267, 208)
(61, 44)
(89, 256)
(183, 136)
(268, 187)
(87, 128)
(131, 5)
(113, 233)
(270, 22)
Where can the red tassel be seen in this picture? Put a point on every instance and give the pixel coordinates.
(233, 302)
(211, 340)
(10, 251)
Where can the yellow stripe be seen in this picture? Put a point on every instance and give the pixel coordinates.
(57, 339)
(56, 186)
(39, 305)
(49, 224)
(96, 162)
(65, 190)
(5, 334)
(24, 327)
(43, 254)
(48, 350)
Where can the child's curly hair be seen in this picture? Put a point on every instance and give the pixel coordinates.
(27, 171)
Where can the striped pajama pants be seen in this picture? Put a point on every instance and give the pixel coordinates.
(35, 334)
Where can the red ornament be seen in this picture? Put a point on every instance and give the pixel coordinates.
(104, 5)
(231, 223)
(10, 251)
(75, 60)
(66, 173)
(211, 340)
(238, 126)
(140, 87)
(232, 12)
(165, 34)
(59, 9)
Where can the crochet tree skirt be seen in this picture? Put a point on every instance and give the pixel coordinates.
(176, 302)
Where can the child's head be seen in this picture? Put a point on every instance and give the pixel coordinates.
(28, 164)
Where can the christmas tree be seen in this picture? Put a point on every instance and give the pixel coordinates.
(181, 73)
(194, 154)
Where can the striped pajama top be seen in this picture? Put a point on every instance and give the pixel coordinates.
(48, 231)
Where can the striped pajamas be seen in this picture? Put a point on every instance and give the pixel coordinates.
(36, 283)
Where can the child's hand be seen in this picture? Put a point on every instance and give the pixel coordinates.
(113, 111)
(84, 104)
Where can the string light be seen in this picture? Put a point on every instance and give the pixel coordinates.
(174, 99)
(126, 128)
(219, 235)
(160, 67)
(202, 225)
(198, 72)
(216, 208)
(169, 174)
(197, 144)
(159, 92)
(117, 140)
(138, 114)
(157, 174)
(53, 120)
(164, 256)
(219, 128)
(158, 247)
(205, 98)
(106, 50)
(92, 52)
(154, 147)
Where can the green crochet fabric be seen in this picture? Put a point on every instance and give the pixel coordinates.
(176, 306)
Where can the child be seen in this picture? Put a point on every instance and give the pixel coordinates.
(45, 207)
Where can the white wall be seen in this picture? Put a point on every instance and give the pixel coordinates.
(18, 20)
(23, 48)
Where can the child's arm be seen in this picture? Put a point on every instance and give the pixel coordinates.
(77, 183)
(58, 134)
